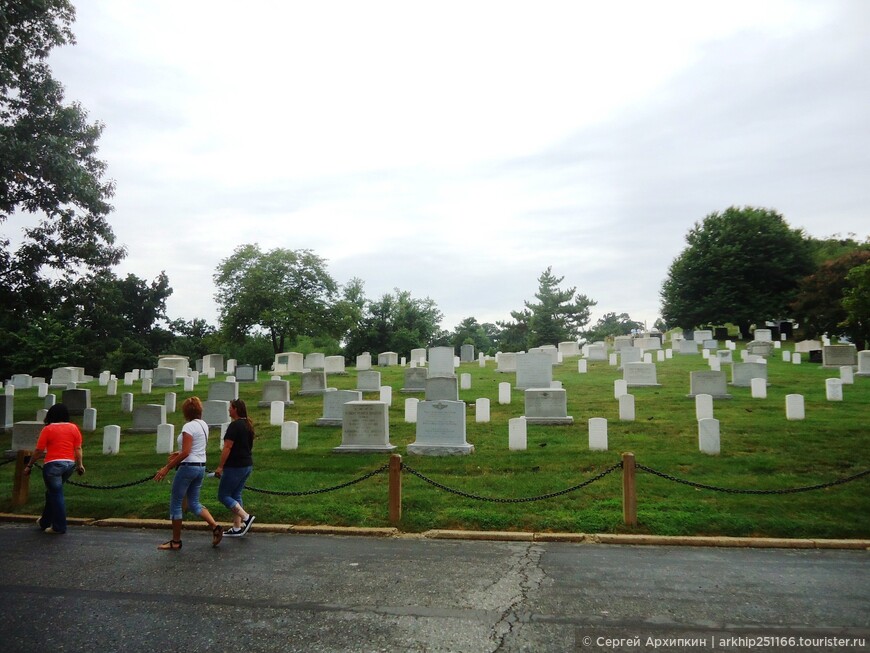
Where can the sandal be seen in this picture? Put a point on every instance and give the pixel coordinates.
(171, 545)
(217, 535)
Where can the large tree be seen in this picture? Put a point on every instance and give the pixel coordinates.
(558, 315)
(471, 332)
(740, 266)
(285, 293)
(611, 324)
(396, 322)
(856, 301)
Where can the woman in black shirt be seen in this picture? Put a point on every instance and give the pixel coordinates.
(235, 466)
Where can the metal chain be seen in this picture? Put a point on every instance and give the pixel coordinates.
(468, 495)
(791, 490)
(103, 487)
(7, 461)
(301, 493)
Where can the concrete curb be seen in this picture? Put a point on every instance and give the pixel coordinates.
(499, 536)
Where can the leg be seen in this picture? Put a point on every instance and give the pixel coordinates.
(54, 474)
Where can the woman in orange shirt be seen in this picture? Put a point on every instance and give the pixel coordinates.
(61, 444)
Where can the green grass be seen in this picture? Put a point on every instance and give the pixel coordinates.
(760, 450)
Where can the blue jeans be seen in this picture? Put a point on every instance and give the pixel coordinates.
(187, 482)
(231, 486)
(54, 475)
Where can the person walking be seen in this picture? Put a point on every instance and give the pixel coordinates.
(189, 462)
(61, 444)
(235, 467)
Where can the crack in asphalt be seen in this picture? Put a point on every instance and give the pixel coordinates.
(529, 575)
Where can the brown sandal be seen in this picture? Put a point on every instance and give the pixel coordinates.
(217, 534)
(171, 545)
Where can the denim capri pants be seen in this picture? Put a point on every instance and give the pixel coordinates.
(231, 486)
(187, 482)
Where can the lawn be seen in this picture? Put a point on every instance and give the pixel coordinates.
(760, 450)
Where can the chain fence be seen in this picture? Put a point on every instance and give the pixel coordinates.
(302, 493)
(791, 490)
(541, 497)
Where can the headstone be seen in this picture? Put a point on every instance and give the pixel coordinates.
(597, 434)
(312, 383)
(411, 410)
(847, 375)
(622, 342)
(517, 434)
(216, 412)
(504, 393)
(796, 359)
(333, 406)
(363, 362)
(648, 343)
(442, 388)
(214, 362)
(506, 362)
(275, 391)
(743, 373)
(232, 363)
(597, 352)
(703, 407)
(41, 389)
(481, 410)
(815, 356)
(76, 400)
(289, 436)
(165, 438)
(246, 373)
(534, 370)
(465, 381)
(288, 362)
(620, 387)
(25, 435)
(146, 386)
(613, 359)
(89, 420)
(794, 407)
(582, 366)
(415, 379)
(112, 388)
(365, 428)
(640, 375)
(708, 436)
(569, 349)
(688, 347)
(147, 417)
(368, 381)
(833, 390)
(630, 355)
(759, 388)
(418, 356)
(764, 335)
(626, 408)
(169, 400)
(164, 377)
(806, 346)
(786, 356)
(839, 355)
(547, 406)
(127, 402)
(314, 361)
(703, 334)
(111, 439)
(441, 361)
(669, 354)
(466, 353)
(385, 395)
(180, 364)
(440, 429)
(223, 391)
(863, 363)
(388, 359)
(710, 383)
(334, 365)
(715, 363)
(22, 381)
(7, 410)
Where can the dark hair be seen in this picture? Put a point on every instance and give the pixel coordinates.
(242, 412)
(57, 413)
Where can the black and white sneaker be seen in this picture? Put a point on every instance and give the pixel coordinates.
(234, 532)
(246, 525)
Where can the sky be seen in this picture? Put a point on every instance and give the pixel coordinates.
(456, 150)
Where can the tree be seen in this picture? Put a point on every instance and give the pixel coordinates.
(611, 324)
(856, 302)
(286, 293)
(819, 305)
(396, 322)
(48, 163)
(741, 266)
(559, 315)
(470, 332)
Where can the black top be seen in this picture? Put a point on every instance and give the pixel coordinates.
(243, 440)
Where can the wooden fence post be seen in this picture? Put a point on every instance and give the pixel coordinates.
(395, 488)
(629, 493)
(21, 481)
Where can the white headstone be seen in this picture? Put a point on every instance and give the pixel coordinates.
(833, 390)
(794, 407)
(547, 406)
(796, 358)
(847, 375)
(620, 387)
(786, 356)
(411, 410)
(127, 402)
(386, 394)
(368, 381)
(275, 390)
(715, 363)
(709, 383)
(708, 436)
(440, 429)
(598, 434)
(363, 362)
(165, 438)
(481, 410)
(111, 439)
(534, 370)
(465, 381)
(517, 434)
(365, 428)
(42, 390)
(333, 406)
(639, 374)
(276, 413)
(703, 407)
(759, 388)
(147, 417)
(189, 382)
(89, 420)
(612, 360)
(863, 363)
(582, 366)
(507, 362)
(215, 412)
(504, 393)
(626, 408)
(289, 436)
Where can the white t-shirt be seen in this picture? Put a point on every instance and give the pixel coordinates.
(198, 430)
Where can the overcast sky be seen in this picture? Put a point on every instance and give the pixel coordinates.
(457, 149)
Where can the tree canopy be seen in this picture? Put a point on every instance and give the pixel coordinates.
(286, 293)
(611, 324)
(740, 266)
(396, 322)
(856, 302)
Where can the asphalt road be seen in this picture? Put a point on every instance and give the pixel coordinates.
(109, 589)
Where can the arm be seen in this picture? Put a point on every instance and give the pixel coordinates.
(225, 453)
(177, 457)
(34, 458)
(80, 468)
